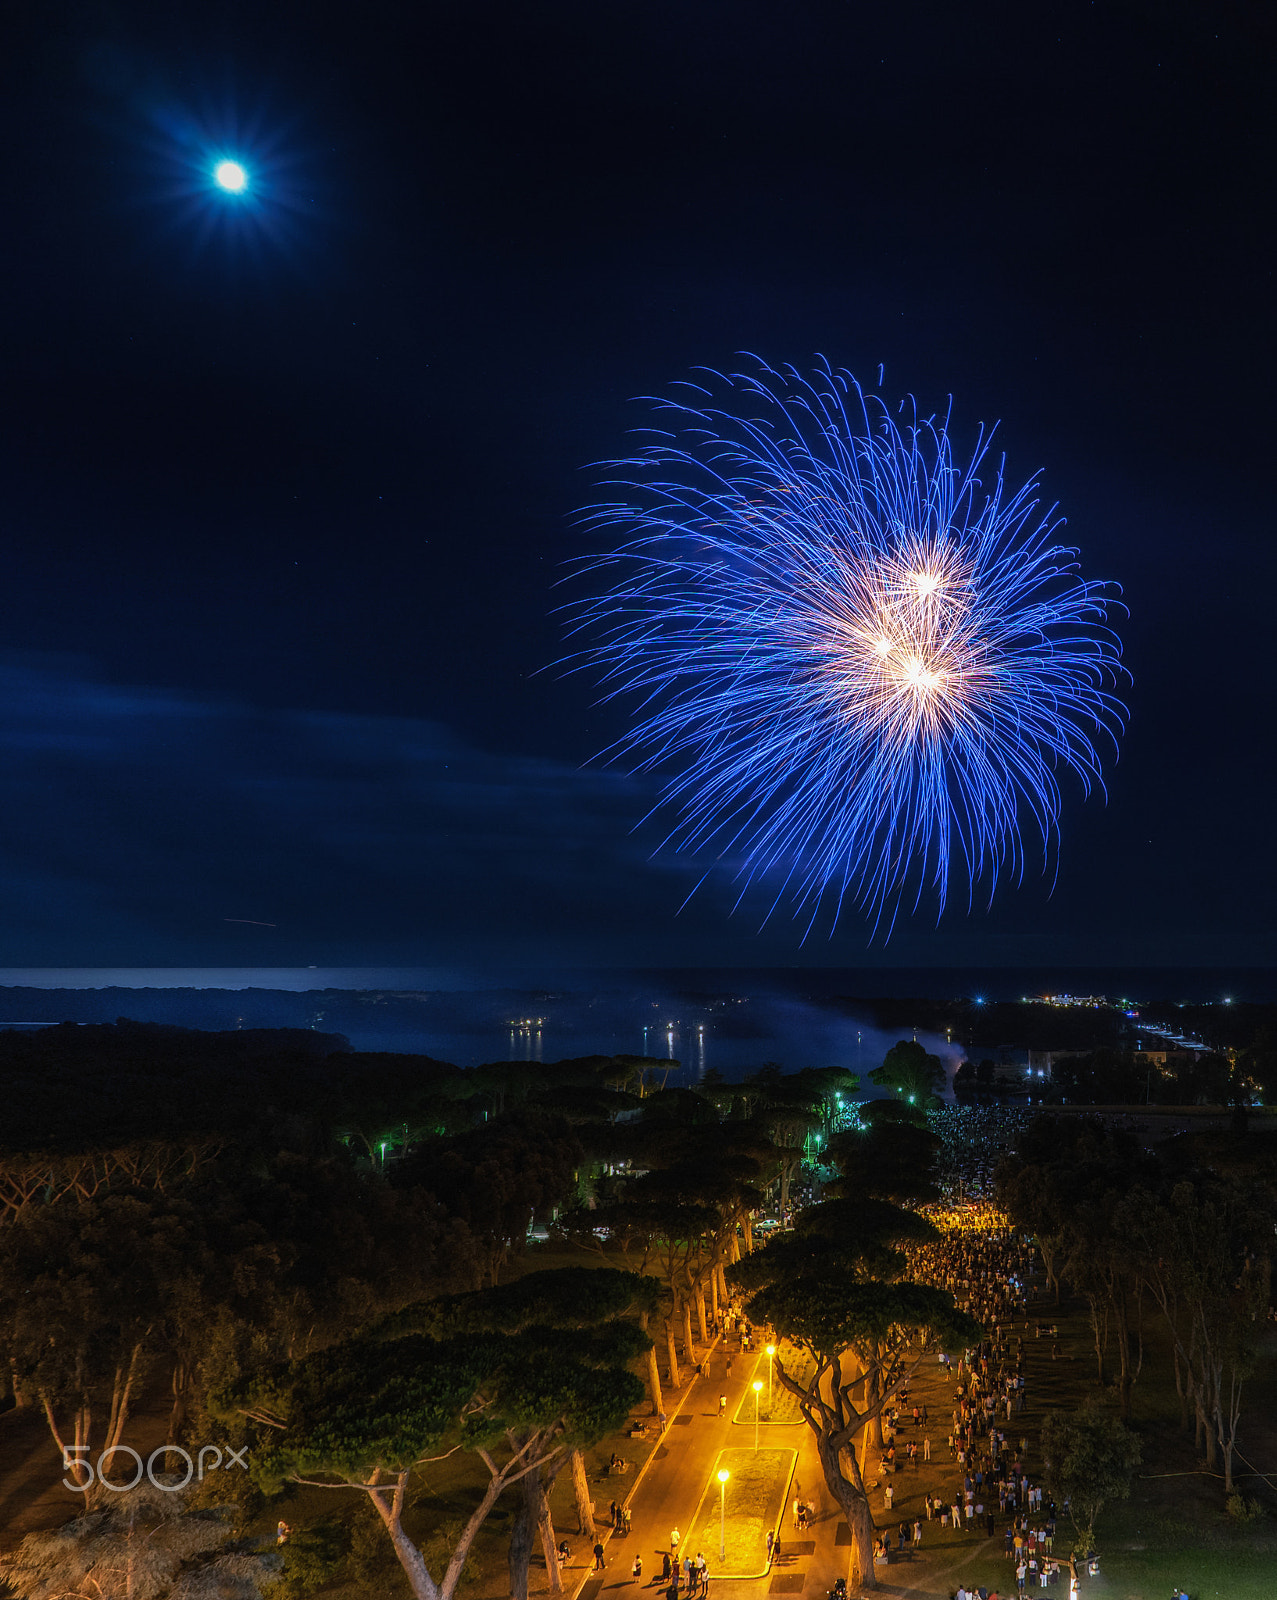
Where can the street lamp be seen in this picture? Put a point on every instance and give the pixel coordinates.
(771, 1351)
(758, 1389)
(723, 1476)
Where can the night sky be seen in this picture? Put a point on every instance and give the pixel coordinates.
(288, 482)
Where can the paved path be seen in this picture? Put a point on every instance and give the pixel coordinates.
(670, 1488)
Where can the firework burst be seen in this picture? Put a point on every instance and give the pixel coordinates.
(861, 668)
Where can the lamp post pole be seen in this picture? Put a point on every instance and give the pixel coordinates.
(723, 1476)
(758, 1389)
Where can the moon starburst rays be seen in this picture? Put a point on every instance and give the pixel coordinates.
(859, 672)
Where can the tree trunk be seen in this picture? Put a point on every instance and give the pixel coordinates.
(654, 1382)
(689, 1349)
(520, 1551)
(713, 1292)
(410, 1558)
(1099, 1328)
(1180, 1387)
(700, 1312)
(457, 1560)
(671, 1352)
(873, 1433)
(177, 1416)
(581, 1489)
(854, 1504)
(536, 1493)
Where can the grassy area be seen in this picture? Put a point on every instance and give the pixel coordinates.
(784, 1407)
(754, 1503)
(1173, 1529)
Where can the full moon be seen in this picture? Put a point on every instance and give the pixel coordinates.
(229, 175)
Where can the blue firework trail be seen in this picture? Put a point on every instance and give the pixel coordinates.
(861, 668)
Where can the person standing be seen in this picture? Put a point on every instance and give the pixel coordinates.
(636, 1571)
(926, 1449)
(598, 1558)
(675, 1536)
(722, 1405)
(917, 1532)
(771, 1540)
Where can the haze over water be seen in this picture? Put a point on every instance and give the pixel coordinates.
(733, 1020)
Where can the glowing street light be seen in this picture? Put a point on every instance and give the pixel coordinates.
(758, 1389)
(723, 1476)
(229, 175)
(771, 1351)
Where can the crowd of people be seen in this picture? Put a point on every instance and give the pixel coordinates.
(987, 1265)
(972, 1140)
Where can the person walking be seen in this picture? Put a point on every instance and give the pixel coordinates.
(888, 1495)
(722, 1405)
(675, 1536)
(771, 1540)
(636, 1571)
